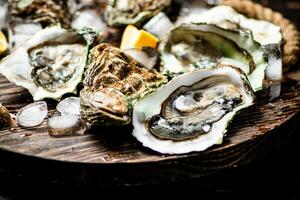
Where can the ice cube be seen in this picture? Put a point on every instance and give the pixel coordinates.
(159, 25)
(147, 57)
(70, 105)
(88, 18)
(33, 114)
(66, 125)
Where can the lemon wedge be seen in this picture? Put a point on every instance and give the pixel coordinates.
(3, 43)
(134, 38)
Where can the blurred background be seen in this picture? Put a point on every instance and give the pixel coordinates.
(277, 175)
(289, 8)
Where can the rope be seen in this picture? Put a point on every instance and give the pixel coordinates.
(291, 36)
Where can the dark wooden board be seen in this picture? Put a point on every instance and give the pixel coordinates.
(116, 145)
(111, 156)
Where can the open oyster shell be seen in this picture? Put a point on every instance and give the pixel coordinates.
(264, 32)
(49, 65)
(191, 46)
(192, 111)
(226, 17)
(113, 81)
(124, 12)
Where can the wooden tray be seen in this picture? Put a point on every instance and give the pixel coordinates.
(112, 155)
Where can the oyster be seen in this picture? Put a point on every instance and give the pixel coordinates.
(192, 111)
(26, 17)
(226, 17)
(49, 65)
(44, 12)
(6, 119)
(113, 81)
(264, 32)
(191, 46)
(124, 12)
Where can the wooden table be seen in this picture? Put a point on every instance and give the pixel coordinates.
(281, 162)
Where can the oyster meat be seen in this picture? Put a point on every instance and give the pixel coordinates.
(49, 65)
(191, 46)
(124, 12)
(192, 111)
(264, 32)
(113, 81)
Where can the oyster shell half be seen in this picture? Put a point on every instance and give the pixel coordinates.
(191, 46)
(124, 12)
(264, 32)
(49, 65)
(192, 111)
(113, 81)
(226, 17)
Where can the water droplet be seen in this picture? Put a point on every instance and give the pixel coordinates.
(206, 128)
(13, 130)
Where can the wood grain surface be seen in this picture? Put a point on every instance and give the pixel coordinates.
(116, 145)
(111, 156)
